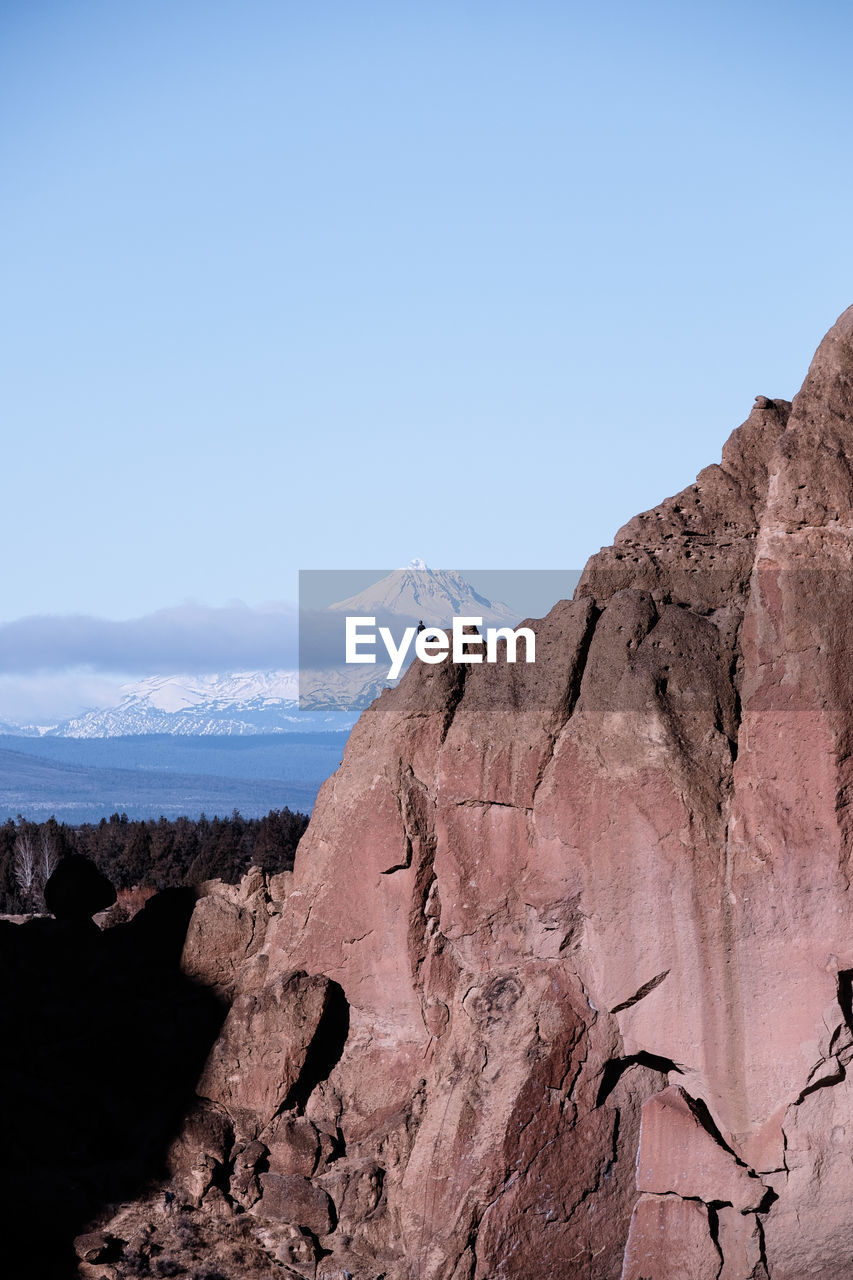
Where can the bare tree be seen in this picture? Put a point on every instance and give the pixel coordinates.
(48, 861)
(26, 866)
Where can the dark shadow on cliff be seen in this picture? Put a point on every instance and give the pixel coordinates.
(616, 1068)
(103, 1041)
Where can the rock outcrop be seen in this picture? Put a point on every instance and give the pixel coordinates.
(562, 982)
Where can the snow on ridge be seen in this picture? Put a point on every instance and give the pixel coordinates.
(173, 693)
(223, 703)
(436, 594)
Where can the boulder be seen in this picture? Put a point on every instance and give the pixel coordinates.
(269, 1033)
(292, 1198)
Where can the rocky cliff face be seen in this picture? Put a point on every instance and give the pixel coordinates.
(562, 983)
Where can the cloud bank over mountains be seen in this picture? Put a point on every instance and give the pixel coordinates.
(187, 637)
(56, 667)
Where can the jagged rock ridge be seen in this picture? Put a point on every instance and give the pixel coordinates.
(561, 983)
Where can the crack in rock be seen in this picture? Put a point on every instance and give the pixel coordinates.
(640, 994)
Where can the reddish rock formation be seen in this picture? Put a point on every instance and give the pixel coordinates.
(560, 985)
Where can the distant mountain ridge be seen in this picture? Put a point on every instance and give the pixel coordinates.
(239, 703)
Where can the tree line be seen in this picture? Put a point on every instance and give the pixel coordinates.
(153, 853)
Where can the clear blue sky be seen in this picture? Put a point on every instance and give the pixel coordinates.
(319, 285)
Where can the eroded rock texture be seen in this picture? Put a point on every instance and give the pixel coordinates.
(561, 983)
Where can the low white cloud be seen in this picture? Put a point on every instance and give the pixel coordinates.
(189, 637)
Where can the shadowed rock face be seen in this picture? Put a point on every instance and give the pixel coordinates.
(103, 1040)
(584, 927)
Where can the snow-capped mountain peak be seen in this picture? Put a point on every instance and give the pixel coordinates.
(436, 595)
